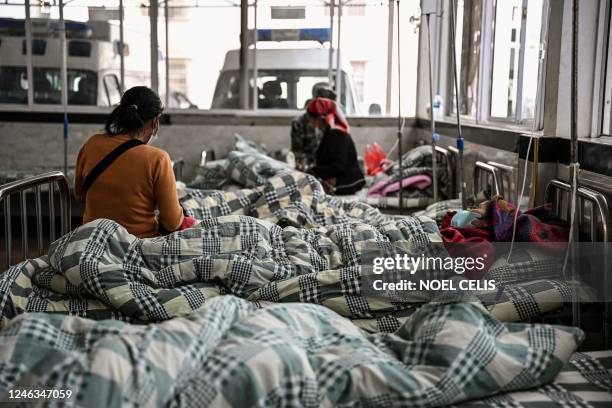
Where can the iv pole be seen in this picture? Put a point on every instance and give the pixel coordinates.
(574, 164)
(400, 150)
(435, 137)
(460, 140)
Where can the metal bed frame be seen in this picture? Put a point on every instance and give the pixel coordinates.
(496, 175)
(486, 175)
(36, 183)
(447, 158)
(507, 181)
(597, 222)
(558, 193)
(178, 167)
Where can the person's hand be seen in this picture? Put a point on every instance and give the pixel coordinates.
(188, 222)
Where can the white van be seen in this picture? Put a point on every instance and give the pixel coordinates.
(285, 79)
(93, 63)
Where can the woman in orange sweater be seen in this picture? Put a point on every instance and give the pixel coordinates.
(122, 178)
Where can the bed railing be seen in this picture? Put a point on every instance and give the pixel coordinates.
(446, 159)
(595, 222)
(506, 180)
(593, 226)
(178, 167)
(485, 176)
(48, 181)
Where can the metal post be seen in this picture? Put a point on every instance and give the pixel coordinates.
(167, 60)
(400, 150)
(390, 57)
(39, 222)
(244, 54)
(64, 75)
(434, 135)
(121, 47)
(338, 67)
(574, 165)
(24, 225)
(460, 140)
(153, 11)
(332, 6)
(29, 69)
(8, 240)
(255, 73)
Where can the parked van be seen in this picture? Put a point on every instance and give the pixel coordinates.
(93, 63)
(285, 78)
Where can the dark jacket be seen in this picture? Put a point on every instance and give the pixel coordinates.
(337, 159)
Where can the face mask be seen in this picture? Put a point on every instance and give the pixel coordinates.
(153, 138)
(464, 218)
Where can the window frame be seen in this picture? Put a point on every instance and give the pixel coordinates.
(111, 77)
(32, 105)
(484, 87)
(602, 93)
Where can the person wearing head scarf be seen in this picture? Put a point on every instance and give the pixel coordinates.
(336, 157)
(304, 138)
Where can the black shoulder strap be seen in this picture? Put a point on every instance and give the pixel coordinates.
(107, 161)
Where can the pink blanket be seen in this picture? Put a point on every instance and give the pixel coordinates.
(383, 188)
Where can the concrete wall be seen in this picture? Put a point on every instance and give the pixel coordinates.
(28, 145)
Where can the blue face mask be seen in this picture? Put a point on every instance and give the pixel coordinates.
(464, 218)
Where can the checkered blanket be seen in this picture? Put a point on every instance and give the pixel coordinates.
(247, 165)
(99, 270)
(291, 199)
(585, 381)
(231, 353)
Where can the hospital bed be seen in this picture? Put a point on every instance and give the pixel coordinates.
(583, 369)
(496, 178)
(447, 159)
(53, 186)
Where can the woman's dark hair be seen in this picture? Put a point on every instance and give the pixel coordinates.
(138, 106)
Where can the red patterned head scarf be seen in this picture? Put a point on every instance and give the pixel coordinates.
(326, 109)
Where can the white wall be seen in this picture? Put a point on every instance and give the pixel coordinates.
(40, 145)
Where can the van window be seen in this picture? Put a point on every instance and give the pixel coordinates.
(277, 89)
(79, 49)
(82, 86)
(39, 47)
(112, 89)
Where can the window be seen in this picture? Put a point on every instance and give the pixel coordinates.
(499, 84)
(195, 70)
(467, 40)
(197, 58)
(349, 8)
(506, 47)
(47, 86)
(516, 59)
(359, 73)
(39, 47)
(112, 89)
(79, 49)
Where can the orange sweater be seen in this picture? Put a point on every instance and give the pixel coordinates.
(131, 189)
